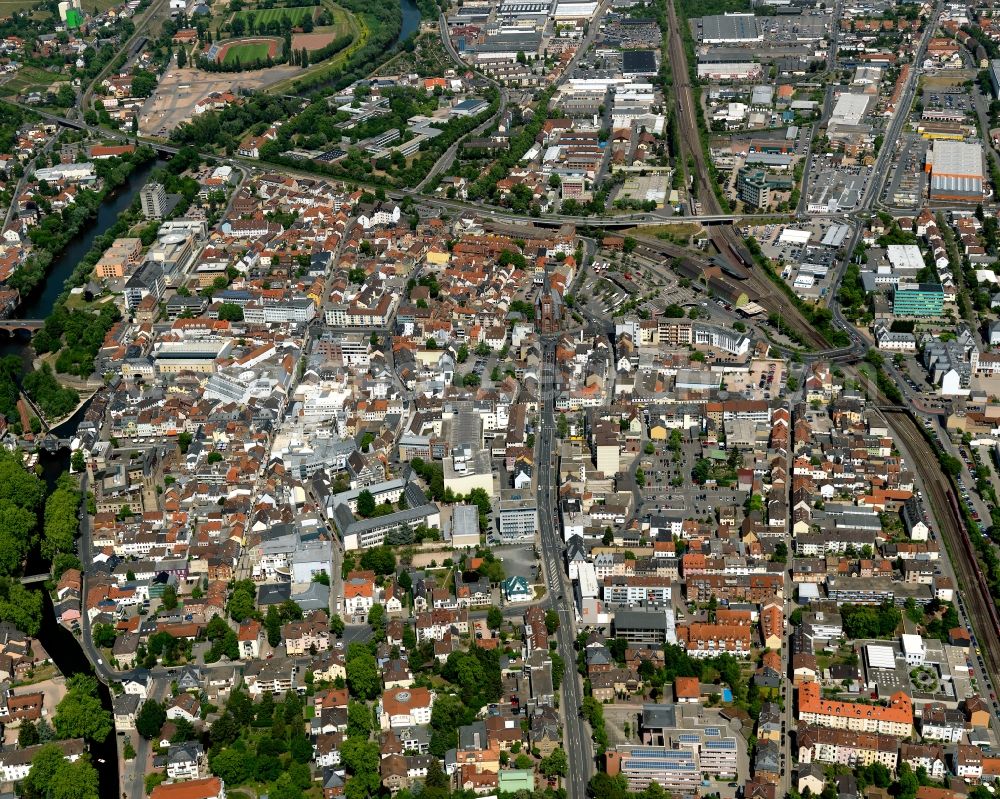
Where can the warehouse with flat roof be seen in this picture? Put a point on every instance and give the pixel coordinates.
(570, 9)
(956, 170)
(849, 109)
(638, 63)
(729, 29)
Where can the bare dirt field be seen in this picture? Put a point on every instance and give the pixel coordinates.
(180, 90)
(312, 41)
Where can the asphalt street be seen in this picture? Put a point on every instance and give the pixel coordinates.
(577, 737)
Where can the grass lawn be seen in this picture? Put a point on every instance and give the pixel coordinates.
(247, 53)
(98, 6)
(265, 16)
(29, 79)
(8, 7)
(341, 21)
(674, 229)
(41, 673)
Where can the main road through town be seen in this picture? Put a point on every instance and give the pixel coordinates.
(576, 733)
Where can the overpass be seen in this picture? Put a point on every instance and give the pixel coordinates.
(77, 124)
(15, 325)
(497, 214)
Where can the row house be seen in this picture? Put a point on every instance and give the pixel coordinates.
(896, 718)
(840, 747)
(708, 640)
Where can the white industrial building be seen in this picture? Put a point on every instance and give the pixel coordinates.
(956, 169)
(913, 649)
(574, 10)
(849, 109)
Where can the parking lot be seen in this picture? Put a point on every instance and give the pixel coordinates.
(907, 185)
(518, 560)
(953, 98)
(833, 189)
(670, 486)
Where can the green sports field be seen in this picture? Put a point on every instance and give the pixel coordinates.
(266, 16)
(246, 53)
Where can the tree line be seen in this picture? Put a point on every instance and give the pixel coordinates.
(384, 22)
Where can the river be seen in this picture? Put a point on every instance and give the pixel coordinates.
(38, 305)
(64, 648)
(60, 644)
(411, 19)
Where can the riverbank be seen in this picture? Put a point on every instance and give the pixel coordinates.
(75, 260)
(85, 398)
(60, 344)
(52, 238)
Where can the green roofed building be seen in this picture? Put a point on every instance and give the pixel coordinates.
(515, 779)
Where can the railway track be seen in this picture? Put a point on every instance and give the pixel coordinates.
(978, 603)
(756, 286)
(724, 238)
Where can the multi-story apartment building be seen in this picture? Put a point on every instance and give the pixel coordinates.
(896, 718)
(842, 747)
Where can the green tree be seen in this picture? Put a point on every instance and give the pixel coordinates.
(366, 504)
(448, 714)
(362, 673)
(217, 628)
(52, 776)
(272, 623)
(230, 312)
(603, 786)
(103, 635)
(360, 756)
(494, 618)
(359, 720)
(380, 560)
(21, 606)
(183, 731)
(17, 529)
(152, 780)
(79, 714)
(551, 621)
(169, 600)
(27, 734)
(242, 601)
(150, 719)
(376, 618)
(232, 765)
